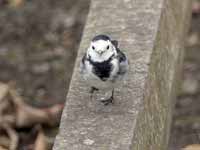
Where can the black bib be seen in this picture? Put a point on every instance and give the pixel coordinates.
(102, 69)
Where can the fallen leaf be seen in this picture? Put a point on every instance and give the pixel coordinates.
(192, 147)
(16, 114)
(4, 141)
(13, 137)
(3, 90)
(1, 148)
(41, 142)
(16, 3)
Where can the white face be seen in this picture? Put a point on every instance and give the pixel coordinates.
(101, 50)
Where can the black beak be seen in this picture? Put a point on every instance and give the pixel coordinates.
(100, 52)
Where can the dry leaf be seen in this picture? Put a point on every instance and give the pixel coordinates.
(3, 90)
(27, 115)
(16, 3)
(13, 137)
(41, 142)
(1, 148)
(192, 147)
(4, 141)
(15, 113)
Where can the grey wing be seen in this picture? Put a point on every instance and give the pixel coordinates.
(123, 63)
(82, 64)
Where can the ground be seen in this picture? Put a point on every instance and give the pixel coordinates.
(186, 119)
(38, 46)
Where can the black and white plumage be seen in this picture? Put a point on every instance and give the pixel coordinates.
(103, 66)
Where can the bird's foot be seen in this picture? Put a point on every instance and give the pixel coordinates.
(108, 101)
(92, 90)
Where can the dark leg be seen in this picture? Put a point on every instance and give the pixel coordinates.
(92, 90)
(110, 100)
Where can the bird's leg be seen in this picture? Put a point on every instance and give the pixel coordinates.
(109, 100)
(92, 90)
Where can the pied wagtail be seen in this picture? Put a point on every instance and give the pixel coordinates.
(104, 65)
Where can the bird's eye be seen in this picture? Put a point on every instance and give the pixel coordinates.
(108, 47)
(93, 47)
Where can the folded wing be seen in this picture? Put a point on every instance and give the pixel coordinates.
(123, 62)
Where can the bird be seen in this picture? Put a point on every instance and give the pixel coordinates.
(103, 65)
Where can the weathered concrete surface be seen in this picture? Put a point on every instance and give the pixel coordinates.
(151, 33)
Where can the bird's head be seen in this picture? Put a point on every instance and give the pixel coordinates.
(101, 48)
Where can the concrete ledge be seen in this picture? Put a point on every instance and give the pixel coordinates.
(151, 33)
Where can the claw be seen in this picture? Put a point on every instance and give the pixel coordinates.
(92, 90)
(108, 101)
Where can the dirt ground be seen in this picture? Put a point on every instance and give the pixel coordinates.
(186, 120)
(38, 45)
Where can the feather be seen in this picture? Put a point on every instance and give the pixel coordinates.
(82, 64)
(123, 62)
